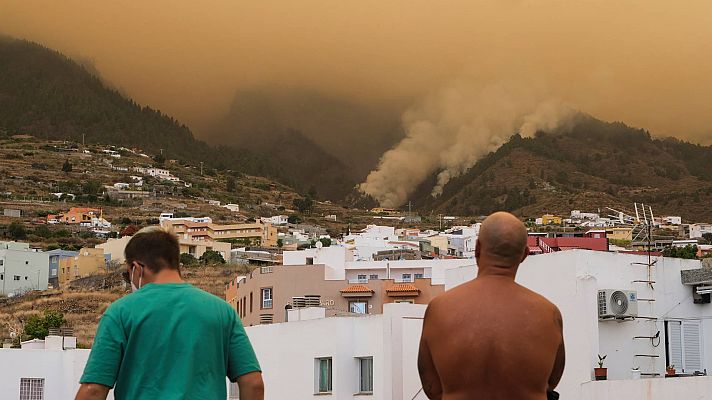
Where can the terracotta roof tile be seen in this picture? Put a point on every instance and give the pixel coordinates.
(356, 289)
(403, 287)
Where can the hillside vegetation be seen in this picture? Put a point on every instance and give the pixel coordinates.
(595, 165)
(47, 95)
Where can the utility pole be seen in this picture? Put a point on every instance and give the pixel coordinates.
(201, 168)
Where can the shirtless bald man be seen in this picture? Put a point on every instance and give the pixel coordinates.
(492, 338)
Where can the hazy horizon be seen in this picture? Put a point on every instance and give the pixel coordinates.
(644, 63)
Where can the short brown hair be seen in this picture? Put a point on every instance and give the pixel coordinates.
(154, 247)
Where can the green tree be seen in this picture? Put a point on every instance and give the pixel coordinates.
(17, 231)
(280, 243)
(326, 242)
(304, 205)
(91, 187)
(212, 257)
(43, 231)
(188, 260)
(230, 185)
(67, 166)
(688, 252)
(159, 159)
(37, 327)
(707, 237)
(294, 219)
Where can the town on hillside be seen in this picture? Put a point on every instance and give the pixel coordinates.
(633, 285)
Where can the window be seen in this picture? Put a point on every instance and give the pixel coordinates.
(250, 302)
(365, 375)
(684, 345)
(358, 307)
(16, 277)
(407, 277)
(373, 276)
(404, 301)
(418, 276)
(362, 279)
(2, 277)
(323, 375)
(31, 388)
(2, 262)
(310, 260)
(266, 297)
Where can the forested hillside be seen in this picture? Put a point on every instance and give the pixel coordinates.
(47, 95)
(595, 165)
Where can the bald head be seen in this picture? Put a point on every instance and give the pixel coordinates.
(503, 239)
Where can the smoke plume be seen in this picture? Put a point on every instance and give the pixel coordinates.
(453, 128)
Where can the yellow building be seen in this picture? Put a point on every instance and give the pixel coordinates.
(89, 261)
(550, 219)
(619, 234)
(257, 232)
(196, 248)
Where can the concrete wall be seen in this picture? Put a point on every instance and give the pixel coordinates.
(32, 268)
(571, 280)
(287, 354)
(61, 371)
(115, 247)
(699, 388)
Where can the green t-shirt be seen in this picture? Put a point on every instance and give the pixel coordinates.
(169, 341)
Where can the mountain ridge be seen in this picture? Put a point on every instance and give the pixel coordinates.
(595, 165)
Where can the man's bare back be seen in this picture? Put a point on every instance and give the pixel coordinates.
(491, 339)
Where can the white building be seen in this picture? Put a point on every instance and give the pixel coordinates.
(578, 215)
(169, 217)
(367, 357)
(276, 220)
(22, 269)
(43, 369)
(697, 230)
(462, 240)
(341, 264)
(671, 220)
(232, 207)
(572, 280)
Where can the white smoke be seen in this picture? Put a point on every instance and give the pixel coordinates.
(453, 128)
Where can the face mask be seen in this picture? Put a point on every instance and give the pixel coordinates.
(140, 280)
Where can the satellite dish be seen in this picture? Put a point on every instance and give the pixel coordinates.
(319, 244)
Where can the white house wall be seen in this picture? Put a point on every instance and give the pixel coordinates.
(571, 280)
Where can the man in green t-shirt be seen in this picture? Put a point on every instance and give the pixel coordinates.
(168, 340)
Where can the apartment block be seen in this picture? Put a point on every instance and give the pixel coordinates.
(22, 268)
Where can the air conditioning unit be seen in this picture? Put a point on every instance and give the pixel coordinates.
(617, 304)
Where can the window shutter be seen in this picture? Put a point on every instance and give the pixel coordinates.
(674, 334)
(692, 346)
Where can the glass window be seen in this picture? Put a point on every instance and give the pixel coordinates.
(407, 277)
(267, 298)
(31, 388)
(418, 276)
(373, 276)
(366, 375)
(358, 307)
(362, 279)
(324, 373)
(16, 277)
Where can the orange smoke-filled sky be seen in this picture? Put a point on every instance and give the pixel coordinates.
(646, 63)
